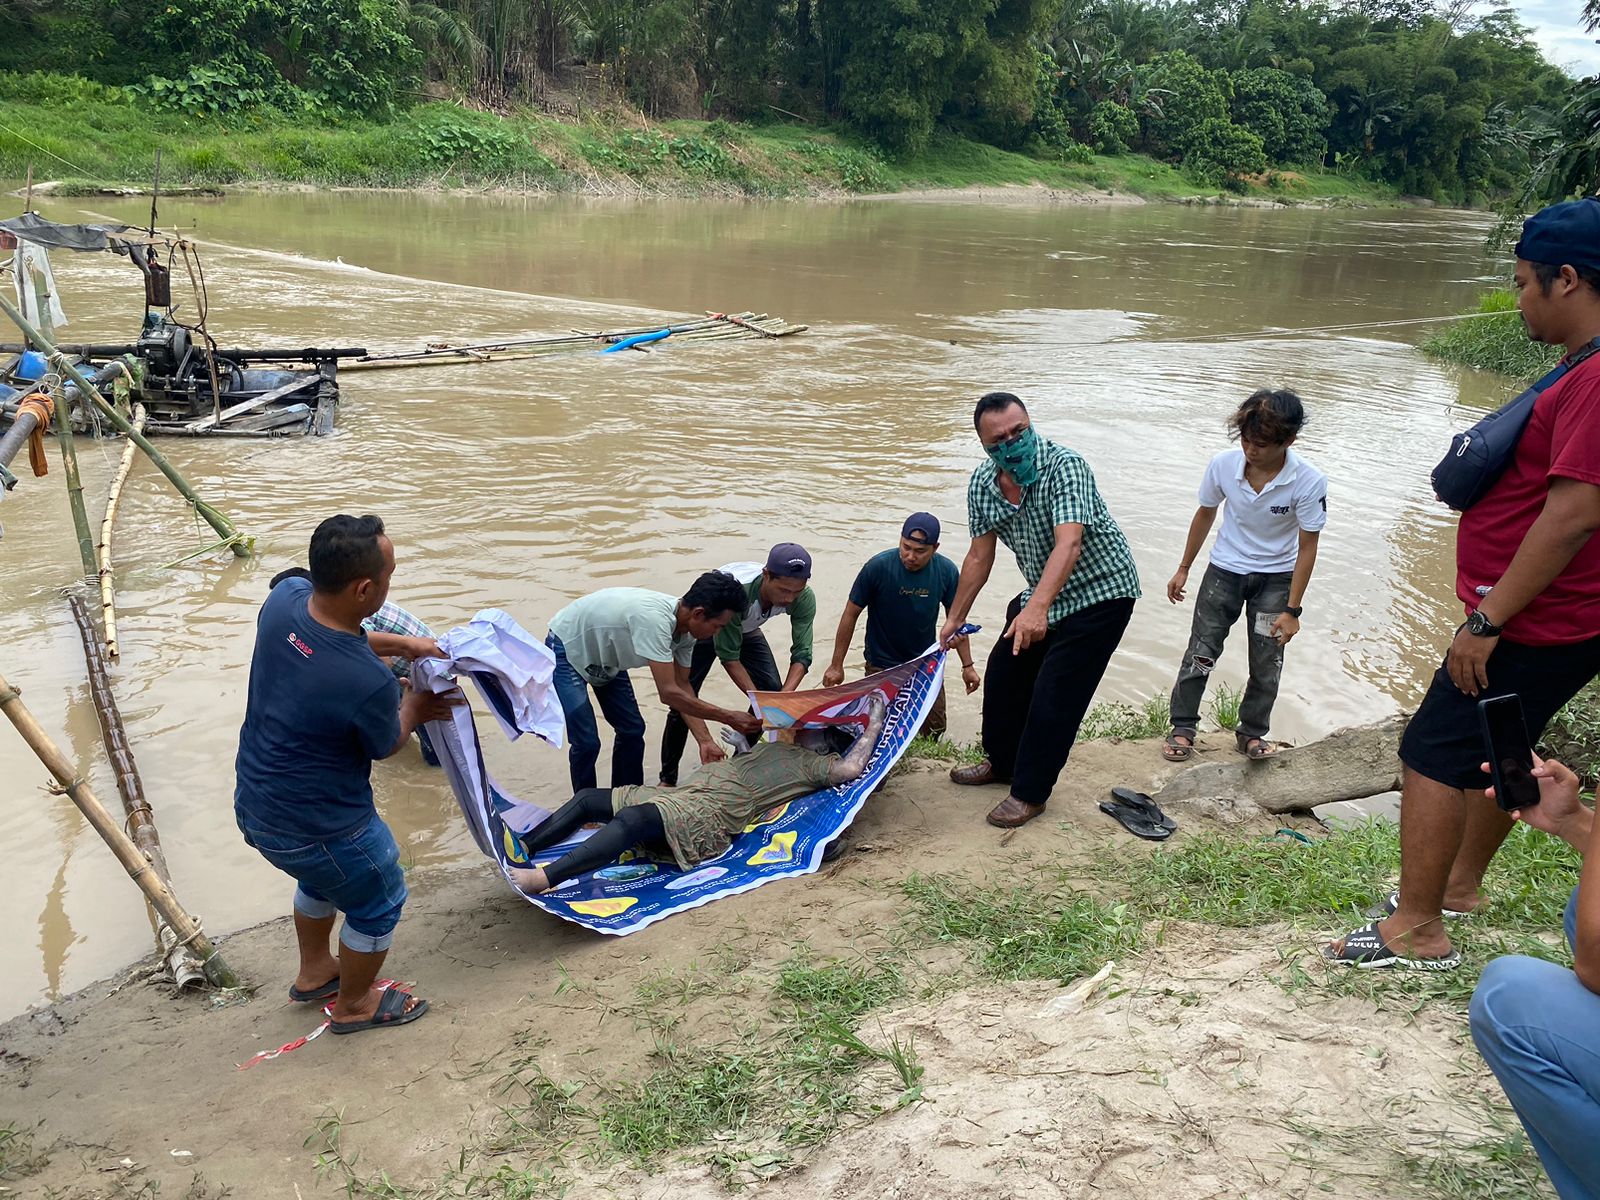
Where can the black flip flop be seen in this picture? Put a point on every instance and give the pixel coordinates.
(1136, 821)
(1142, 802)
(326, 992)
(391, 1011)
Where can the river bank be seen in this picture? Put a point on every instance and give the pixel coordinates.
(87, 137)
(894, 1025)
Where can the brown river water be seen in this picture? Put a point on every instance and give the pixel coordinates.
(525, 484)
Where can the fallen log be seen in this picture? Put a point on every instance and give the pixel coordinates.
(1348, 764)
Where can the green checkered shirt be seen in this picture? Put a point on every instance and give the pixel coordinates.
(391, 618)
(1065, 494)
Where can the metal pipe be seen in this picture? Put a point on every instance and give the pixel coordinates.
(310, 354)
(16, 437)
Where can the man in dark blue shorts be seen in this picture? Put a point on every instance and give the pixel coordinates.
(1528, 572)
(322, 706)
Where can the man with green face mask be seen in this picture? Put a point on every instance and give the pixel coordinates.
(1040, 499)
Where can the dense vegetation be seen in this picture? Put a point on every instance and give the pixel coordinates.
(1429, 96)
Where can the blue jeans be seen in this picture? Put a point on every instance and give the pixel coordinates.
(621, 711)
(1538, 1028)
(357, 874)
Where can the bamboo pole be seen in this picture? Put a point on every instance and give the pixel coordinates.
(156, 889)
(240, 545)
(64, 438)
(184, 969)
(108, 601)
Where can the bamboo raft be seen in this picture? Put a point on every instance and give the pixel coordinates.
(713, 327)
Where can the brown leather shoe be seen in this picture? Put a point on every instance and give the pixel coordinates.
(1011, 812)
(976, 774)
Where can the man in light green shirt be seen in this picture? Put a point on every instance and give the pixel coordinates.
(599, 638)
(772, 590)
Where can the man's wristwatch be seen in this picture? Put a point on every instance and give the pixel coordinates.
(1479, 625)
(1294, 610)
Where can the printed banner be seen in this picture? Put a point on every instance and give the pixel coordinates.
(788, 840)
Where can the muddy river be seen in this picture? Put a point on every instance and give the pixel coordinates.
(1130, 330)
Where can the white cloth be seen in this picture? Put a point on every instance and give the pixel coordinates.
(31, 259)
(493, 644)
(491, 647)
(1260, 532)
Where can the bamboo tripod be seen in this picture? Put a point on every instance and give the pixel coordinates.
(139, 868)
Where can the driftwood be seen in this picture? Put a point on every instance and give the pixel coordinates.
(156, 889)
(1348, 764)
(185, 970)
(108, 602)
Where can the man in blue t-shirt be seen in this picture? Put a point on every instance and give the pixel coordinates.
(901, 591)
(321, 707)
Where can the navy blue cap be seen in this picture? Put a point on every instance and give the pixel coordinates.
(789, 561)
(1565, 234)
(921, 527)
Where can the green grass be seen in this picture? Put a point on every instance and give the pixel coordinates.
(86, 135)
(1038, 929)
(1494, 342)
(1113, 719)
(19, 1156)
(1225, 706)
(942, 749)
(783, 1082)
(1573, 735)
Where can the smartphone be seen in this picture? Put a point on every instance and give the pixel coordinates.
(1510, 752)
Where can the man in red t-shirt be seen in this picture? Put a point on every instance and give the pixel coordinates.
(1528, 571)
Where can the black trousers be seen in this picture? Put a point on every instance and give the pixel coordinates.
(636, 825)
(755, 654)
(1033, 702)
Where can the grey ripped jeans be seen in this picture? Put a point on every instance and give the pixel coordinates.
(1222, 595)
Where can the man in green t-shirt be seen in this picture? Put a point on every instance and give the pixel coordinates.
(774, 589)
(598, 638)
(901, 591)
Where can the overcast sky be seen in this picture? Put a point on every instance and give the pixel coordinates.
(1558, 30)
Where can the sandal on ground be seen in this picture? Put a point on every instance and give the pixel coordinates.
(1254, 747)
(326, 992)
(1386, 908)
(1144, 804)
(391, 1011)
(1136, 821)
(1174, 750)
(1365, 948)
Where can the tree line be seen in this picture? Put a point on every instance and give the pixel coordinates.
(1432, 96)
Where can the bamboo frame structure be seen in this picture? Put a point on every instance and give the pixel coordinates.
(232, 538)
(108, 601)
(185, 970)
(185, 928)
(712, 327)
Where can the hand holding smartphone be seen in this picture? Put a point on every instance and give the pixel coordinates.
(1510, 752)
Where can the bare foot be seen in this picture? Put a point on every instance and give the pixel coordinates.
(530, 880)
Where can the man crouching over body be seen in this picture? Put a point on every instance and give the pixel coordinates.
(698, 821)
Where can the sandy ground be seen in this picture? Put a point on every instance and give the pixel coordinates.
(1181, 1079)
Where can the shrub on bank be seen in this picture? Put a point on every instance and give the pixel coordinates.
(1493, 341)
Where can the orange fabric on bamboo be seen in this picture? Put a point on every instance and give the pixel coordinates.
(42, 406)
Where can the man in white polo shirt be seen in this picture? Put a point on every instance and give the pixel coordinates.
(1274, 504)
